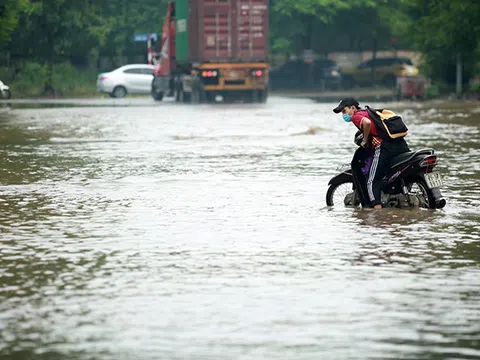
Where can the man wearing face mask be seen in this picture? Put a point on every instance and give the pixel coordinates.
(372, 144)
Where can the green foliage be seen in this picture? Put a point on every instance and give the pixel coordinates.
(54, 28)
(4, 74)
(129, 18)
(67, 80)
(30, 80)
(441, 29)
(432, 91)
(282, 45)
(329, 25)
(50, 31)
(58, 26)
(10, 11)
(474, 87)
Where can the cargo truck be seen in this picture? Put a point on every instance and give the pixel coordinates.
(212, 48)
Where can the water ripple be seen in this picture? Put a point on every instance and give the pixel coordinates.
(174, 232)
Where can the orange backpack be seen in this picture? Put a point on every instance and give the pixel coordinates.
(388, 124)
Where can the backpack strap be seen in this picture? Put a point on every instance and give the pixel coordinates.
(373, 113)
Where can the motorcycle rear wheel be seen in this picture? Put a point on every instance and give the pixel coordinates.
(420, 190)
(337, 193)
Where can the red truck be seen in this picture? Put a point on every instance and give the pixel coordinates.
(211, 48)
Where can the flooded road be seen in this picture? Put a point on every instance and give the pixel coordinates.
(138, 230)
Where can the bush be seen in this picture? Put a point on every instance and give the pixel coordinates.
(30, 80)
(4, 75)
(67, 80)
(432, 91)
(474, 86)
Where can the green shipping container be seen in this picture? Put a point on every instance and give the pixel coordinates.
(181, 32)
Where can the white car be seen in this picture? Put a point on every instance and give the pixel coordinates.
(127, 79)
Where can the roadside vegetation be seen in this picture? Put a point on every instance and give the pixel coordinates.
(55, 47)
(66, 80)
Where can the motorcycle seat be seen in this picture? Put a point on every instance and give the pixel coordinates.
(407, 156)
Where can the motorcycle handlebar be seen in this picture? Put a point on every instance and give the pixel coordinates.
(358, 138)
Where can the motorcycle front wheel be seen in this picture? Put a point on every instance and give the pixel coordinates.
(342, 194)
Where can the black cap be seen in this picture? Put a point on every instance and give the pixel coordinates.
(346, 102)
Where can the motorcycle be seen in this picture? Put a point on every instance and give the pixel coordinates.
(410, 182)
(5, 92)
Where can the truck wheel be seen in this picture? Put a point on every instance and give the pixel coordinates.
(157, 95)
(255, 96)
(178, 90)
(263, 96)
(259, 96)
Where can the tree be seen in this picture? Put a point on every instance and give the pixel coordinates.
(51, 28)
(293, 21)
(10, 11)
(330, 23)
(140, 16)
(446, 32)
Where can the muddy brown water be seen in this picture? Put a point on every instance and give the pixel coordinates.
(136, 230)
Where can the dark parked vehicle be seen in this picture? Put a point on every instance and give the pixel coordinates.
(387, 70)
(299, 74)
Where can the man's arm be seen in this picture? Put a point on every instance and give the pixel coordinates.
(366, 126)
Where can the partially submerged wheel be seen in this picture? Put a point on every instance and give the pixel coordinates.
(262, 96)
(258, 96)
(157, 96)
(420, 191)
(342, 194)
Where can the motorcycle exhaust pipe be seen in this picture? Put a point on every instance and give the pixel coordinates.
(440, 202)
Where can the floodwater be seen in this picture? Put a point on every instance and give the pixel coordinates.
(141, 230)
